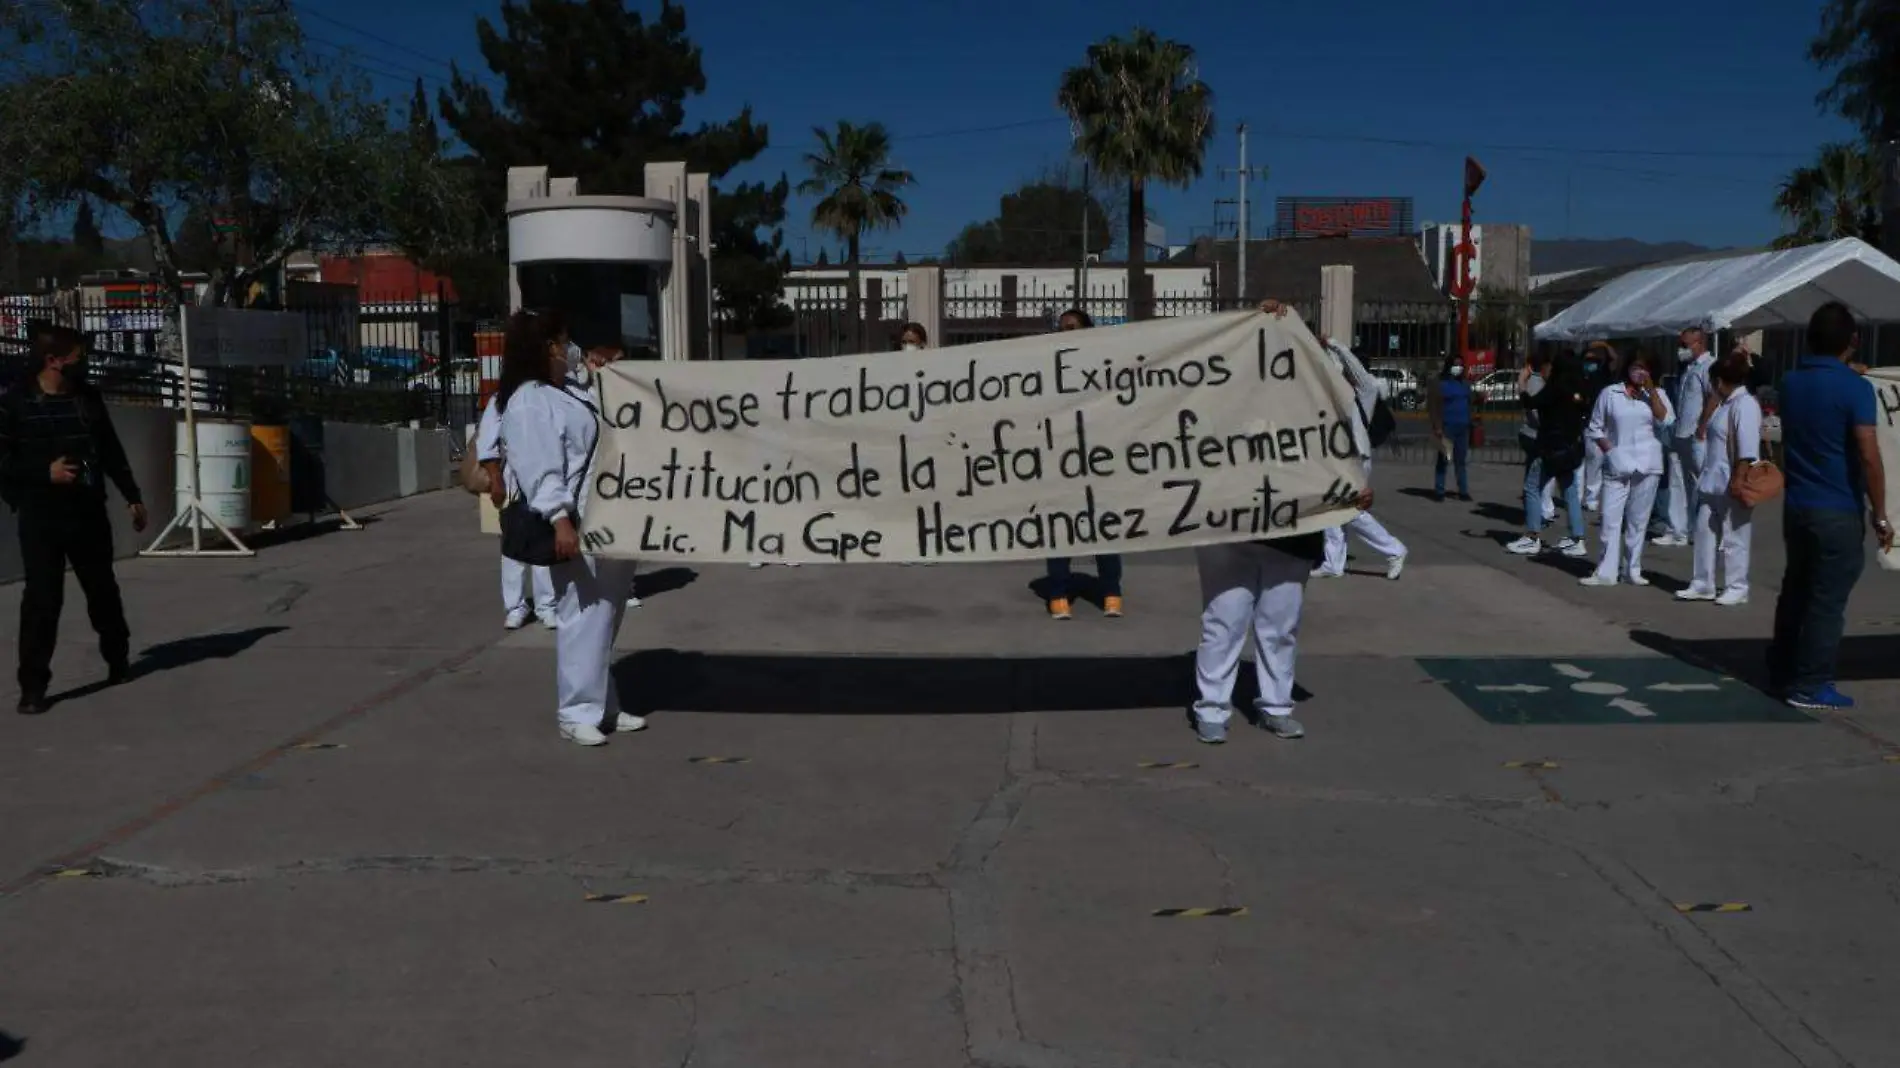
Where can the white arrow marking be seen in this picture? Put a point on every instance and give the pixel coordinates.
(1570, 671)
(1633, 708)
(1516, 687)
(1685, 687)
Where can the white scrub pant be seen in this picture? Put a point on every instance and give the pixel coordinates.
(1247, 587)
(1724, 527)
(1592, 476)
(1685, 470)
(1370, 531)
(1626, 507)
(515, 580)
(593, 598)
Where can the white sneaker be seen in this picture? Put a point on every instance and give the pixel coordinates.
(1574, 548)
(632, 601)
(755, 565)
(1669, 541)
(1395, 567)
(1637, 579)
(1525, 546)
(627, 723)
(516, 619)
(1594, 579)
(1693, 594)
(583, 734)
(550, 617)
(1733, 599)
(791, 563)
(1320, 572)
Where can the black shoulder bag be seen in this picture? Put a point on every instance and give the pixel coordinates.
(526, 536)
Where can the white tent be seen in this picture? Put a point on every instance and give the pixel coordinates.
(1762, 291)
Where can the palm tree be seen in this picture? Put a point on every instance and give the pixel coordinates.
(1140, 115)
(1838, 195)
(852, 171)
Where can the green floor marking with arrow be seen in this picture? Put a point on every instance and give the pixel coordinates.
(1631, 690)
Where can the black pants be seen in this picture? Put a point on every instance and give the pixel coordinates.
(1826, 553)
(51, 536)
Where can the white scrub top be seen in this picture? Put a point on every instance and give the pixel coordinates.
(1632, 431)
(1735, 425)
(550, 433)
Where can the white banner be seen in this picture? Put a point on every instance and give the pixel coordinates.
(1886, 383)
(1155, 435)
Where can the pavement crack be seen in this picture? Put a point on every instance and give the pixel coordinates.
(1778, 1022)
(174, 878)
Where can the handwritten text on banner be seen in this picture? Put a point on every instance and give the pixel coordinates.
(1122, 439)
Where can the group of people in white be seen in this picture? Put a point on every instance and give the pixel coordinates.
(1607, 443)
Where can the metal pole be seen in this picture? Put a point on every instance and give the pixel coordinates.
(191, 423)
(1240, 274)
(1082, 275)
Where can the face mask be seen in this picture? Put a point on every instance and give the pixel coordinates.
(1457, 371)
(1591, 368)
(1684, 354)
(911, 346)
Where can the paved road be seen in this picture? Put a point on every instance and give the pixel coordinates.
(943, 847)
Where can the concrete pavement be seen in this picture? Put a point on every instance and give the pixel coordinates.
(948, 836)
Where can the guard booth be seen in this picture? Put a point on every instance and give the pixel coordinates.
(631, 272)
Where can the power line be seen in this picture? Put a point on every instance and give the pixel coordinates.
(348, 56)
(1467, 146)
(367, 35)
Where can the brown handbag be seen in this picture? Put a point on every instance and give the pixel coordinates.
(1755, 483)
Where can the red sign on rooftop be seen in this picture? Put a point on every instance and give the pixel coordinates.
(1343, 216)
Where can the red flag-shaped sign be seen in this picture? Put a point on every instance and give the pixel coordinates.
(1474, 176)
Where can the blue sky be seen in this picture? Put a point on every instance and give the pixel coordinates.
(1606, 118)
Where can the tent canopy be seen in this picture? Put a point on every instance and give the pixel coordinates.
(1765, 290)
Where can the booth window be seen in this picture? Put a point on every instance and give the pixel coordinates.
(605, 303)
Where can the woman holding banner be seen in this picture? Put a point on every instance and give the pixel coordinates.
(1108, 567)
(551, 429)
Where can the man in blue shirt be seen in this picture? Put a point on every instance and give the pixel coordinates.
(1832, 463)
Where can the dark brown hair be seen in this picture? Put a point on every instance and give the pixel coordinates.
(524, 354)
(52, 342)
(1732, 370)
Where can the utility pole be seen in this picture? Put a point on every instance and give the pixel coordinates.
(1245, 174)
(1889, 157)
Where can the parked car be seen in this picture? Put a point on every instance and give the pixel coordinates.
(1498, 387)
(1398, 387)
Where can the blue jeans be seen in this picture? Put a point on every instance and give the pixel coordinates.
(1460, 438)
(1534, 480)
(1826, 554)
(1107, 568)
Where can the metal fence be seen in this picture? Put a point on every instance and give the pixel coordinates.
(368, 359)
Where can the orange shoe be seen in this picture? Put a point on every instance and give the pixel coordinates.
(1112, 607)
(1059, 608)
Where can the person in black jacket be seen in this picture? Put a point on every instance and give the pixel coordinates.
(1559, 410)
(57, 451)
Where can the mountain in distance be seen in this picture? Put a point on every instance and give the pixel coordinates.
(1576, 254)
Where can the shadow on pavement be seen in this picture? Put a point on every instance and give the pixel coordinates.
(181, 653)
(665, 580)
(1499, 513)
(671, 680)
(290, 535)
(1863, 657)
(10, 1047)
